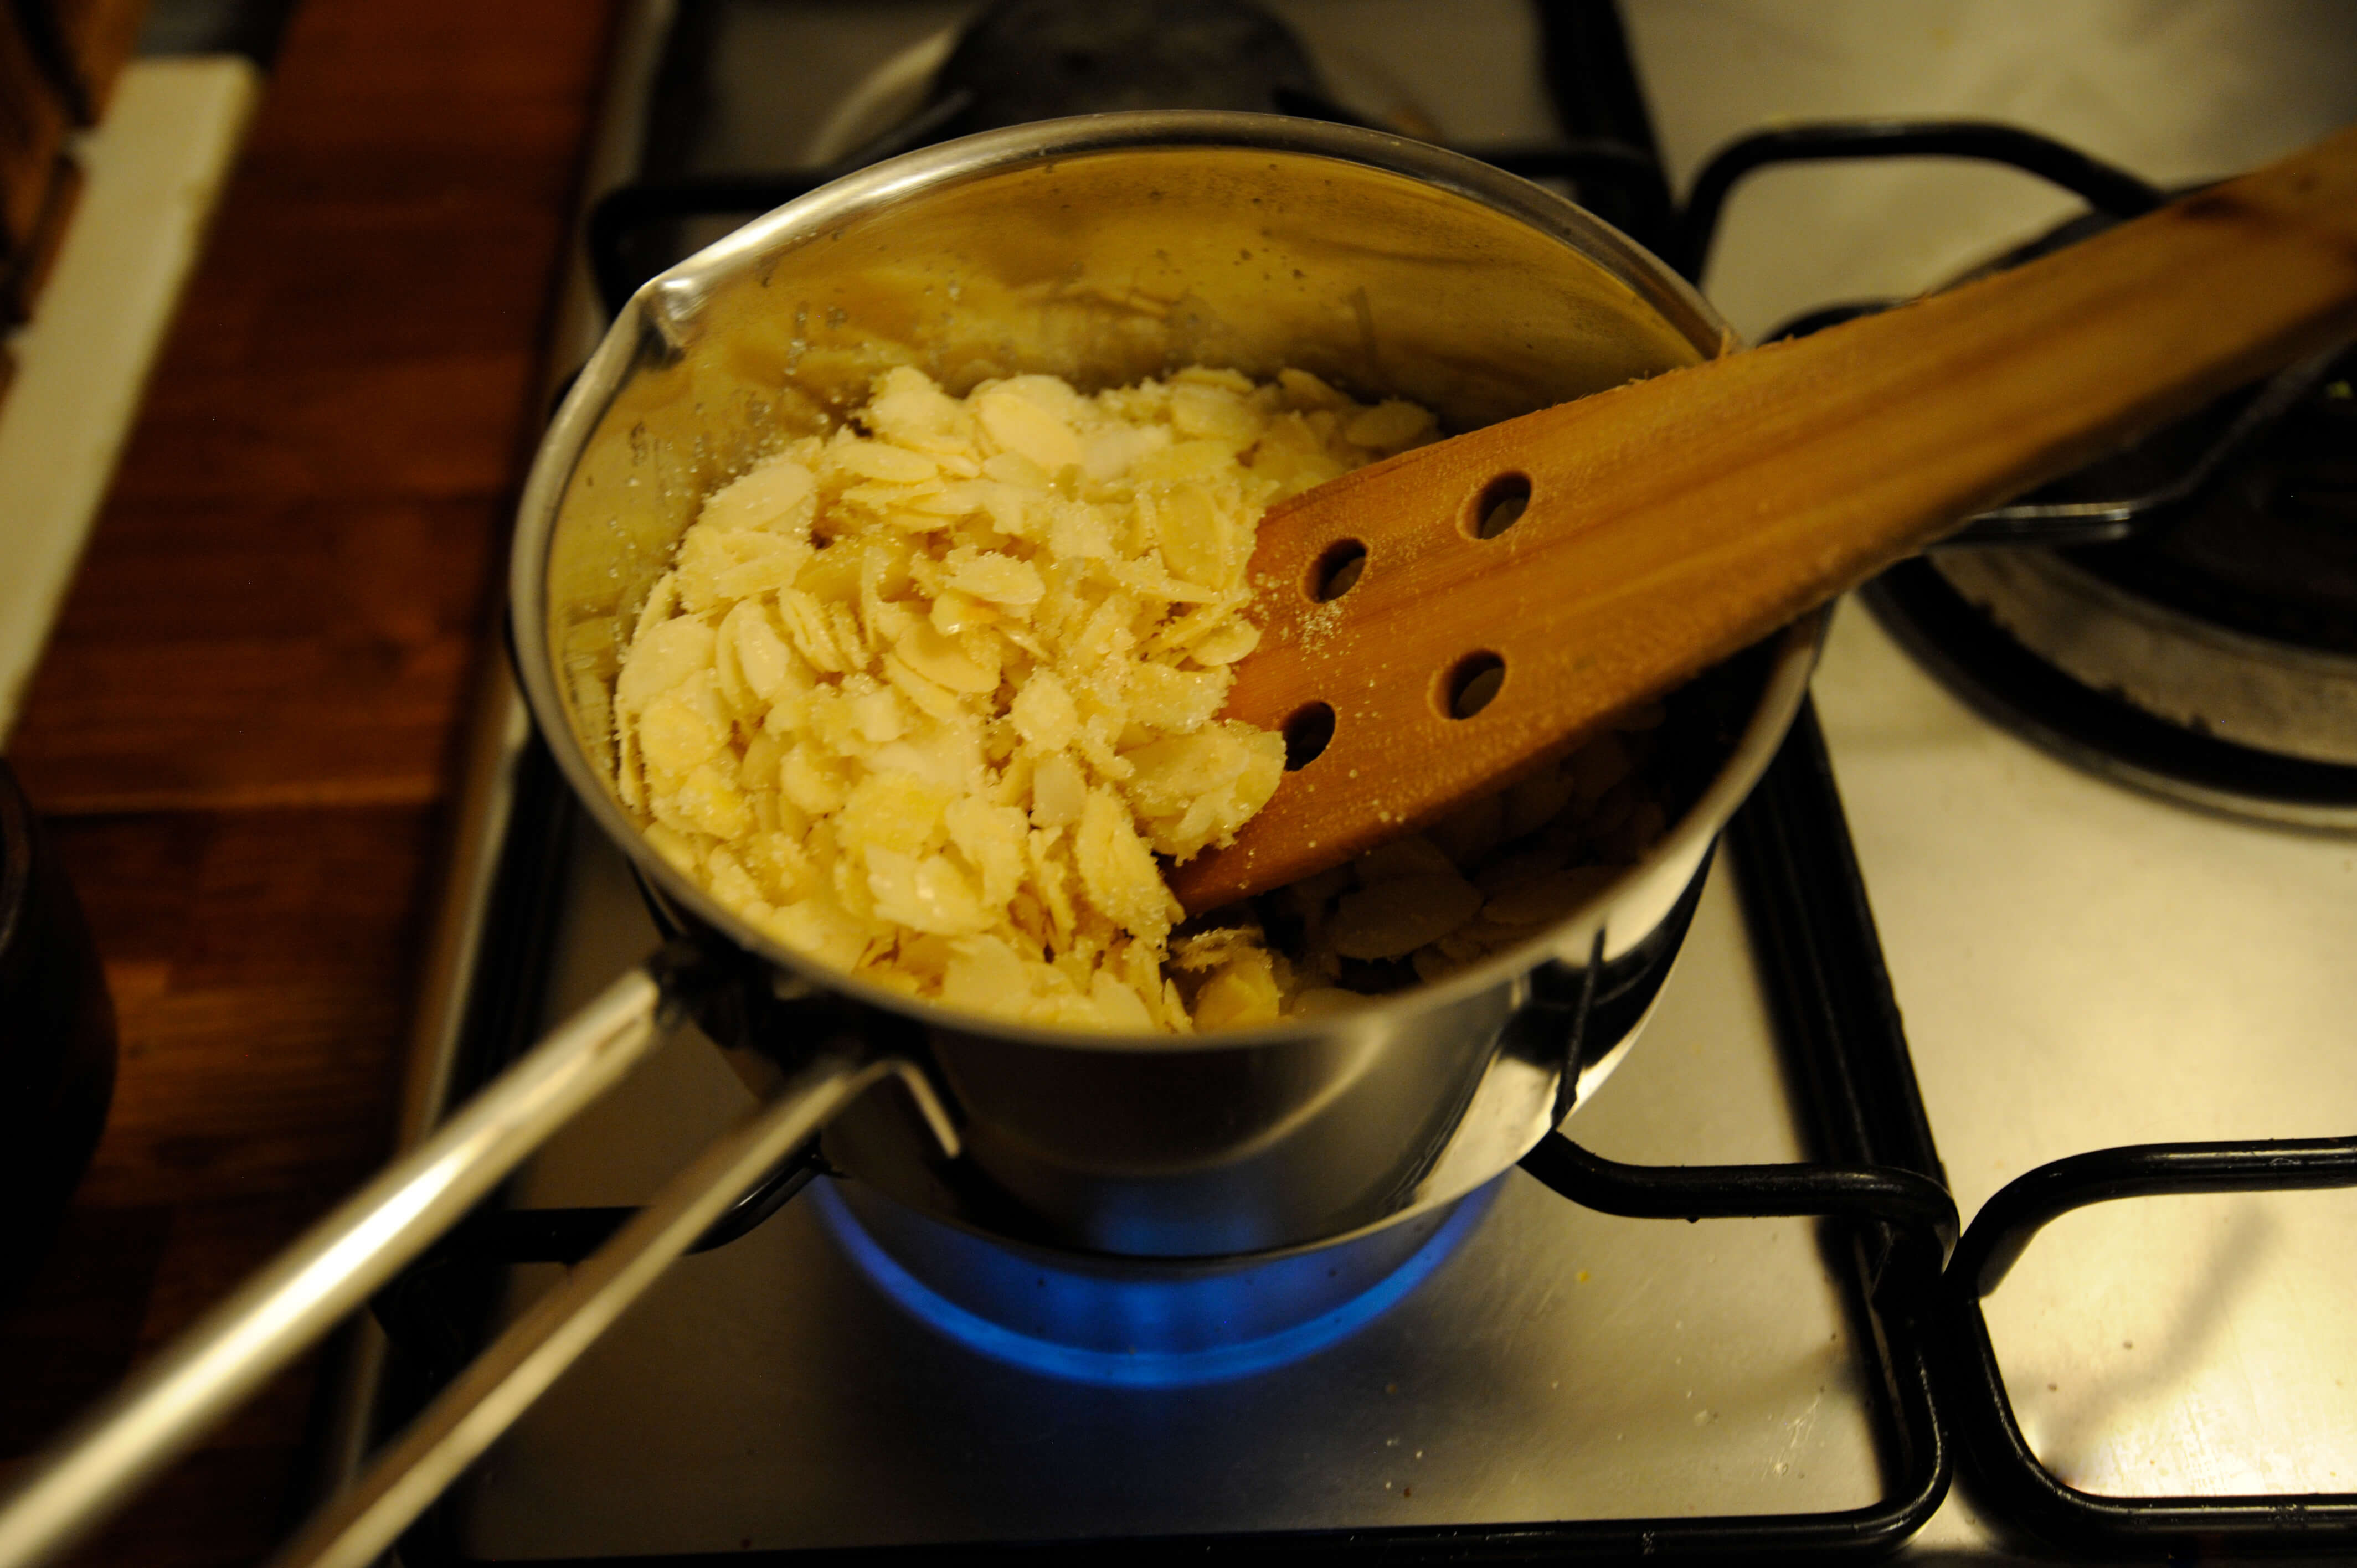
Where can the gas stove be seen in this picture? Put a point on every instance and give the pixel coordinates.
(1943, 938)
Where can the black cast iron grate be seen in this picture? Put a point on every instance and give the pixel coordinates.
(1859, 1105)
(1934, 1379)
(2008, 1480)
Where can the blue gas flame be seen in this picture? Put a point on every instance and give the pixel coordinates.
(1170, 1332)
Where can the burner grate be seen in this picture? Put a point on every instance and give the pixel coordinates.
(1999, 1458)
(1938, 1382)
(1838, 1020)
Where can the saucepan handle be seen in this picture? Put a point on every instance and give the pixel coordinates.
(338, 1263)
(353, 1529)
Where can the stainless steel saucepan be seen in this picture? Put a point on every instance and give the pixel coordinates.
(1101, 249)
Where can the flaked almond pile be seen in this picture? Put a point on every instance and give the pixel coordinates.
(924, 698)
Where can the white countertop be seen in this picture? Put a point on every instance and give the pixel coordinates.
(153, 172)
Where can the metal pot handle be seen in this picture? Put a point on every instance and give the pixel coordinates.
(467, 1416)
(159, 1414)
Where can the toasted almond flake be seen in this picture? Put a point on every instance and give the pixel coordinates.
(1412, 856)
(811, 632)
(1023, 428)
(660, 658)
(779, 493)
(1545, 898)
(1388, 427)
(1392, 919)
(1044, 713)
(944, 660)
(998, 577)
(985, 642)
(882, 461)
(1225, 644)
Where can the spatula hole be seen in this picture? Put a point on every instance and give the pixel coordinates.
(1337, 570)
(1306, 734)
(1500, 505)
(1472, 681)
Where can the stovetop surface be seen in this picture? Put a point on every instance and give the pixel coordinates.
(2078, 966)
(768, 1394)
(2062, 993)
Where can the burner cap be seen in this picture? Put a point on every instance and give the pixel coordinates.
(1037, 59)
(2232, 616)
(2270, 549)
(2210, 655)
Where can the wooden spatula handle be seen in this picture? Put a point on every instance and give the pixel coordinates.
(1671, 522)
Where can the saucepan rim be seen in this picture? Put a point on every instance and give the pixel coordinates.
(661, 318)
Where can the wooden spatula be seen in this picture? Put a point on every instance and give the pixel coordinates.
(1664, 525)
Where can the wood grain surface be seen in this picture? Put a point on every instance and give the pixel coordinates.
(247, 725)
